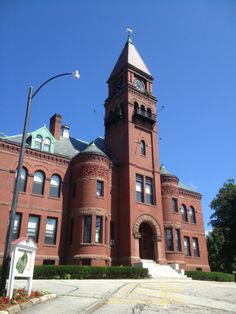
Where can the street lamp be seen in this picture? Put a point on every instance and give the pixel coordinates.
(6, 256)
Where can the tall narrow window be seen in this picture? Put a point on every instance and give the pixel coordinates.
(169, 240)
(100, 188)
(55, 186)
(187, 246)
(51, 231)
(16, 227)
(149, 191)
(87, 229)
(23, 180)
(47, 145)
(33, 227)
(139, 188)
(196, 247)
(184, 213)
(178, 240)
(38, 142)
(38, 185)
(175, 204)
(143, 148)
(192, 215)
(112, 233)
(149, 112)
(98, 233)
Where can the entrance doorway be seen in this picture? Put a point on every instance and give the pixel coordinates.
(146, 244)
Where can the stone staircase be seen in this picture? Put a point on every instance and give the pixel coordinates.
(163, 271)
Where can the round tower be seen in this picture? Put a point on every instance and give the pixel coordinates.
(89, 240)
(171, 216)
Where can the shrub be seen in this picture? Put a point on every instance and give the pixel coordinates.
(88, 272)
(210, 276)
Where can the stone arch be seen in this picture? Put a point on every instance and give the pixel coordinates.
(153, 224)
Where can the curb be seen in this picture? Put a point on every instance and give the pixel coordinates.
(18, 307)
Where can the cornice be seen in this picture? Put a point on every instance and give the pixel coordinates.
(29, 152)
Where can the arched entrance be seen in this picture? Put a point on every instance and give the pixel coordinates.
(148, 238)
(146, 241)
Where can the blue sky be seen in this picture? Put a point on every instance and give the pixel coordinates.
(188, 45)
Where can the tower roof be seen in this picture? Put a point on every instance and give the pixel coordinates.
(129, 57)
(93, 149)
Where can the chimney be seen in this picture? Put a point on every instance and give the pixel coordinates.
(65, 131)
(55, 125)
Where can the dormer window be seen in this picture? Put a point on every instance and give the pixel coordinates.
(38, 142)
(47, 145)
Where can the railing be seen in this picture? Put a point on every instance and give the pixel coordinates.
(144, 114)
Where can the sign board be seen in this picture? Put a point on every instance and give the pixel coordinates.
(22, 263)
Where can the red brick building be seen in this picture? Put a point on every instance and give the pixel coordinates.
(107, 202)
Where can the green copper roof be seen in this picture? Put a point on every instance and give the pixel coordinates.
(164, 171)
(129, 56)
(93, 149)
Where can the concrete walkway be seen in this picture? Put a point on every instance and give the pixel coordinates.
(136, 296)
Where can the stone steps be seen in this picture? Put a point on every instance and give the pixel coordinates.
(162, 271)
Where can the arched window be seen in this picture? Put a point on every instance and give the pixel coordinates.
(38, 142)
(55, 186)
(143, 111)
(184, 213)
(38, 185)
(149, 112)
(192, 215)
(47, 144)
(143, 148)
(23, 180)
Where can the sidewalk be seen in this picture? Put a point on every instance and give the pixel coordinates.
(136, 296)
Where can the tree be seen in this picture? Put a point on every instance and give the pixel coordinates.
(222, 240)
(215, 244)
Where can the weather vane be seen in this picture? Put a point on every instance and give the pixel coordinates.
(129, 31)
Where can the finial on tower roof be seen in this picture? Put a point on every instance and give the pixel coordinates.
(129, 31)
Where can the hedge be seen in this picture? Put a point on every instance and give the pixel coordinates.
(210, 276)
(88, 272)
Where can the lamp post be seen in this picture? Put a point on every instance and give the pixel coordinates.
(6, 256)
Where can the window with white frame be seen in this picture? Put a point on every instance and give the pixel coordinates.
(139, 188)
(149, 191)
(169, 239)
(16, 226)
(192, 215)
(38, 142)
(87, 229)
(184, 213)
(196, 247)
(47, 145)
(51, 230)
(98, 231)
(187, 246)
(55, 186)
(33, 227)
(23, 180)
(100, 188)
(38, 184)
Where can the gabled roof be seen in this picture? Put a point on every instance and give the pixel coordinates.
(129, 56)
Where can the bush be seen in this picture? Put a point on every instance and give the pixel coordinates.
(88, 272)
(210, 276)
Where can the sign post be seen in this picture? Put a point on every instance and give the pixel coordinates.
(22, 263)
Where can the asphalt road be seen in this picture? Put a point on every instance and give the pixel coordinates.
(135, 296)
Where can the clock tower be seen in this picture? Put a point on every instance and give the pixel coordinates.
(131, 141)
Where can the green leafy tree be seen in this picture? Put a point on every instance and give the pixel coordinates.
(215, 244)
(222, 240)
